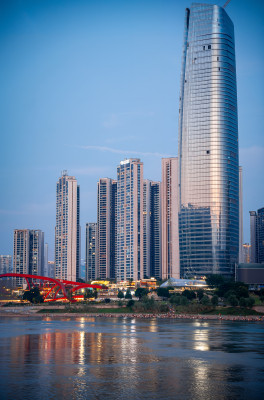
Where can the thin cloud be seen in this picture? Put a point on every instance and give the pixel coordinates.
(130, 152)
(116, 119)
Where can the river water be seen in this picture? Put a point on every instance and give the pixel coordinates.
(123, 358)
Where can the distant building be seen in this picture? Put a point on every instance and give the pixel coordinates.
(257, 236)
(253, 237)
(252, 274)
(91, 251)
(241, 253)
(246, 253)
(106, 228)
(260, 237)
(129, 264)
(169, 219)
(46, 260)
(67, 231)
(6, 264)
(51, 269)
(28, 256)
(146, 227)
(155, 230)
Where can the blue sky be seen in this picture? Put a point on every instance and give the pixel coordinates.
(85, 84)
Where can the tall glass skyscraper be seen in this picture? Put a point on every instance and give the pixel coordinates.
(208, 145)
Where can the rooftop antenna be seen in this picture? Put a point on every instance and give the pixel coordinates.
(226, 3)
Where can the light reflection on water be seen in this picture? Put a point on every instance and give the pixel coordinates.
(122, 358)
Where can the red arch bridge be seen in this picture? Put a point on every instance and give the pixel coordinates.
(54, 289)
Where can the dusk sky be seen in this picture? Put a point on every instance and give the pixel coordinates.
(85, 84)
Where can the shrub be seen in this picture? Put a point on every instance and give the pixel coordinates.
(141, 292)
(184, 301)
(128, 295)
(163, 292)
(107, 300)
(175, 299)
(190, 294)
(120, 294)
(130, 303)
(200, 294)
(232, 300)
(250, 302)
(214, 300)
(242, 302)
(205, 301)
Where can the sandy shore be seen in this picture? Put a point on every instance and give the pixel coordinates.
(32, 313)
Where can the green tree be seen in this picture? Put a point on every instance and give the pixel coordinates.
(128, 294)
(205, 301)
(200, 294)
(232, 300)
(175, 299)
(90, 294)
(130, 303)
(190, 294)
(242, 302)
(120, 294)
(250, 302)
(214, 300)
(184, 301)
(163, 292)
(214, 280)
(33, 295)
(141, 292)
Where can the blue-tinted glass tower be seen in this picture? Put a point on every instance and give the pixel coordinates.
(208, 145)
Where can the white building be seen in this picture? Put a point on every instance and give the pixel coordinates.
(129, 220)
(67, 231)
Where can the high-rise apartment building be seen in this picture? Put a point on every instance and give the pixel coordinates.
(208, 145)
(146, 227)
(257, 236)
(260, 229)
(6, 264)
(253, 237)
(129, 220)
(241, 249)
(106, 232)
(67, 231)
(169, 218)
(91, 252)
(28, 257)
(155, 230)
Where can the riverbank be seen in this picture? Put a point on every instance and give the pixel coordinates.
(26, 312)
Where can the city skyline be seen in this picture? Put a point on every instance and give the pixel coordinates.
(93, 139)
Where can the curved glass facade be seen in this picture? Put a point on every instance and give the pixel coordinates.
(208, 145)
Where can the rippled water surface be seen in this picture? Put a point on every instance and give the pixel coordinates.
(122, 358)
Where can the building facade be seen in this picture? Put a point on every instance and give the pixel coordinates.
(106, 231)
(169, 218)
(146, 227)
(6, 264)
(28, 256)
(260, 229)
(257, 236)
(129, 220)
(253, 237)
(91, 252)
(208, 145)
(67, 231)
(241, 241)
(155, 230)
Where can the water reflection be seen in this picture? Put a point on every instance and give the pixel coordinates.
(123, 358)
